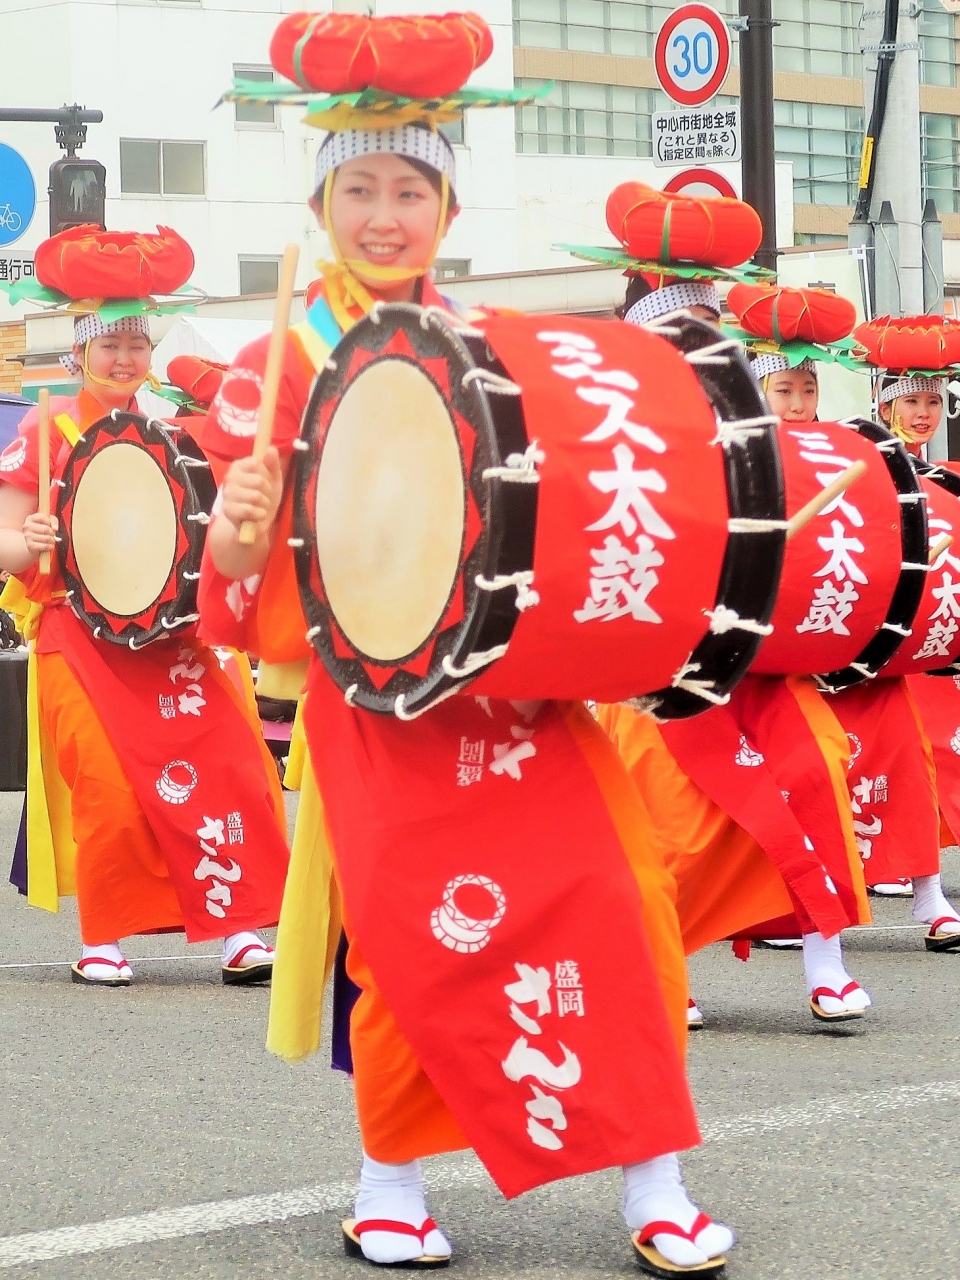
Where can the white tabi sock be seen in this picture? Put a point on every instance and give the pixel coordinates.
(824, 967)
(395, 1192)
(234, 943)
(104, 972)
(929, 904)
(654, 1192)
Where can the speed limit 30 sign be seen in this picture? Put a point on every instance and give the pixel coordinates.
(692, 55)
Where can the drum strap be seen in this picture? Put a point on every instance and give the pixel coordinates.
(67, 428)
(318, 334)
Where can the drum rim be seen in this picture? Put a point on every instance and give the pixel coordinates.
(414, 693)
(122, 631)
(754, 482)
(914, 544)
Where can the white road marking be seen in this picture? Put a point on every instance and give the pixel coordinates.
(223, 1215)
(58, 964)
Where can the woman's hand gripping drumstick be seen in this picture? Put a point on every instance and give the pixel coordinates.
(249, 528)
(823, 499)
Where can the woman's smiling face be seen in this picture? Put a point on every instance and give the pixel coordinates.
(385, 211)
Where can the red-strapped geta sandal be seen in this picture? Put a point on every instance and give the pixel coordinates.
(77, 972)
(238, 974)
(844, 1015)
(654, 1263)
(353, 1230)
(937, 941)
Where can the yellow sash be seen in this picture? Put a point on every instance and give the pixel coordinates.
(51, 851)
(310, 918)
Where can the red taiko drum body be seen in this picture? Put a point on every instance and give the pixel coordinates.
(538, 507)
(934, 645)
(133, 505)
(852, 578)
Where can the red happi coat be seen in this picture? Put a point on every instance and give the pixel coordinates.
(480, 850)
(168, 709)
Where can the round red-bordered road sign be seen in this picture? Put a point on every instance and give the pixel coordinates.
(692, 54)
(701, 182)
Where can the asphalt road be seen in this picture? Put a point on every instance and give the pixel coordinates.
(832, 1154)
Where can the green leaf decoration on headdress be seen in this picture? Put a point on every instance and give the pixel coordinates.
(620, 260)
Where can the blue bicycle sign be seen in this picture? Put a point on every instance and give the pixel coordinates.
(18, 195)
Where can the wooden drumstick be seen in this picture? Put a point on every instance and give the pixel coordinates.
(938, 548)
(823, 499)
(271, 377)
(43, 442)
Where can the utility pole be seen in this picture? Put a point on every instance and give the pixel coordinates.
(758, 164)
(891, 36)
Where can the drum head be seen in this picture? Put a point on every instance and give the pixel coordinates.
(131, 552)
(392, 517)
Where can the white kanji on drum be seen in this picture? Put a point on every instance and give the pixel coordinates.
(623, 575)
(943, 622)
(834, 599)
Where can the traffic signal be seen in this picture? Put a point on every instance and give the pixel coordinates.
(78, 192)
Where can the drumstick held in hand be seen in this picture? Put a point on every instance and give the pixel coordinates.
(938, 548)
(271, 377)
(43, 440)
(823, 499)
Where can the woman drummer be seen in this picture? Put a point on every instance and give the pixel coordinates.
(92, 820)
(385, 197)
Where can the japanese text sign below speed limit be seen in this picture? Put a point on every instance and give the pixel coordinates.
(692, 54)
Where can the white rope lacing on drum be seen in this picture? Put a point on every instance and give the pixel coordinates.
(296, 543)
(313, 632)
(179, 622)
(888, 446)
(743, 429)
(711, 354)
(191, 577)
(188, 461)
(330, 364)
(922, 568)
(496, 383)
(401, 712)
(666, 324)
(200, 516)
(705, 689)
(301, 446)
(907, 498)
(522, 580)
(349, 694)
(935, 473)
(521, 468)
(906, 632)
(376, 312)
(61, 484)
(724, 619)
(132, 642)
(744, 524)
(473, 662)
(867, 672)
(434, 315)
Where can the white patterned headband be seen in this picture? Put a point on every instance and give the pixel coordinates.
(413, 141)
(674, 297)
(911, 387)
(90, 326)
(773, 362)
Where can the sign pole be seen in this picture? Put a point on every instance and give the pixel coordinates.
(756, 96)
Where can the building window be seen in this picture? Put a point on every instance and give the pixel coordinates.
(454, 132)
(940, 161)
(450, 268)
(585, 120)
(262, 116)
(820, 37)
(625, 27)
(149, 166)
(259, 275)
(823, 141)
(938, 44)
